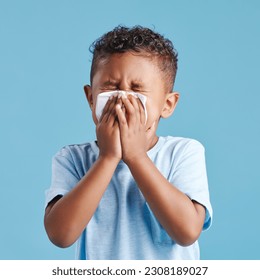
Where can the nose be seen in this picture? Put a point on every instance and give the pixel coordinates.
(124, 85)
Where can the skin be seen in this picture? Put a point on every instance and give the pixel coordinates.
(123, 134)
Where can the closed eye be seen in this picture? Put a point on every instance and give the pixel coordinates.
(109, 85)
(137, 87)
(109, 88)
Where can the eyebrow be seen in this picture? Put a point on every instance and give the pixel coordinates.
(110, 82)
(136, 83)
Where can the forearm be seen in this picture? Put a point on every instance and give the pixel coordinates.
(180, 217)
(65, 221)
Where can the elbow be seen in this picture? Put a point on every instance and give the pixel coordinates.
(187, 241)
(58, 236)
(59, 242)
(186, 238)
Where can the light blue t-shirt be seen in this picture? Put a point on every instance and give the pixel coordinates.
(123, 226)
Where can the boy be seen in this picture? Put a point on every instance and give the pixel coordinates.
(130, 194)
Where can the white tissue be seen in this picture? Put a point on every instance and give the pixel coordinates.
(103, 97)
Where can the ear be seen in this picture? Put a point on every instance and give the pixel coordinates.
(170, 104)
(88, 93)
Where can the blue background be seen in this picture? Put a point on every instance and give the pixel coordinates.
(44, 63)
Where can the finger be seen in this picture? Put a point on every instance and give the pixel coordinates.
(109, 110)
(142, 112)
(151, 130)
(121, 103)
(135, 102)
(130, 111)
(105, 110)
(118, 102)
(121, 117)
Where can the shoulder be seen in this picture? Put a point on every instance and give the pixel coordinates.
(176, 150)
(74, 152)
(181, 144)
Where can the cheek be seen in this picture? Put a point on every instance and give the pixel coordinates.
(153, 111)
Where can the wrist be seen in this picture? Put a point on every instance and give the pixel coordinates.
(135, 159)
(110, 159)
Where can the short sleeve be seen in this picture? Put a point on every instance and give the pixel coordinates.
(190, 176)
(64, 175)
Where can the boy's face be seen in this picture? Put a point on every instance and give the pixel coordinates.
(133, 72)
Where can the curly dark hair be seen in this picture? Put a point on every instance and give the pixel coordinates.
(140, 40)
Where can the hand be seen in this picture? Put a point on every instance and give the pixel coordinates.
(107, 131)
(135, 140)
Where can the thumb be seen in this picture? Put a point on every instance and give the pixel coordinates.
(151, 130)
